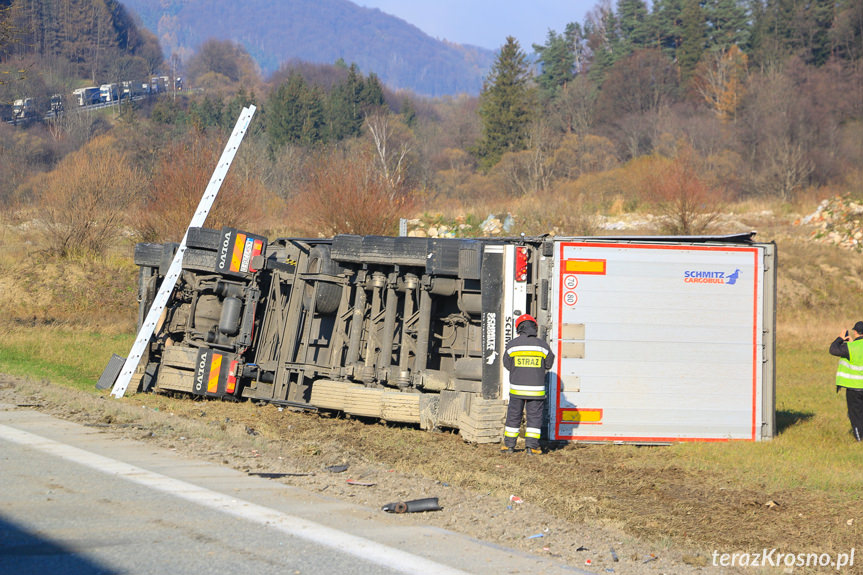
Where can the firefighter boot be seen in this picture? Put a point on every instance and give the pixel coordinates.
(506, 450)
(533, 451)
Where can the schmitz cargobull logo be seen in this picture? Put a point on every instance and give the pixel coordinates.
(711, 277)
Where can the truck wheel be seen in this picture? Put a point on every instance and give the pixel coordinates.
(148, 254)
(199, 260)
(329, 295)
(204, 238)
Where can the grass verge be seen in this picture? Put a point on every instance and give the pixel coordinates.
(65, 356)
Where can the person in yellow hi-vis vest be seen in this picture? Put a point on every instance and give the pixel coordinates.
(849, 349)
(528, 358)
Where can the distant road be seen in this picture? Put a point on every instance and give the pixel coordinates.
(73, 109)
(79, 501)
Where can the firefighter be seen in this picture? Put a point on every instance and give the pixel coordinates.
(849, 374)
(527, 358)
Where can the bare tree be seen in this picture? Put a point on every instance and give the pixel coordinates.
(86, 199)
(182, 175)
(530, 171)
(392, 146)
(687, 204)
(343, 194)
(721, 80)
(777, 135)
(574, 108)
(581, 154)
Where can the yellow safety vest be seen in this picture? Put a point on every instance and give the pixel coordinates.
(850, 371)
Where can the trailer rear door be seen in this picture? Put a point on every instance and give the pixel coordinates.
(661, 342)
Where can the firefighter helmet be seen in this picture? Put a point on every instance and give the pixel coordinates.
(523, 318)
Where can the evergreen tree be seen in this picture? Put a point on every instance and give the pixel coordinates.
(633, 23)
(345, 106)
(372, 94)
(505, 105)
(667, 24)
(206, 113)
(409, 113)
(295, 113)
(773, 30)
(692, 40)
(557, 60)
(728, 24)
(605, 43)
(235, 105)
(813, 32)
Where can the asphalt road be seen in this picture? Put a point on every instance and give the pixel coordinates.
(75, 500)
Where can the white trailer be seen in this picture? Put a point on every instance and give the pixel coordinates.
(662, 341)
(86, 96)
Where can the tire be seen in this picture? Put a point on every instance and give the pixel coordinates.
(329, 295)
(149, 255)
(199, 260)
(204, 238)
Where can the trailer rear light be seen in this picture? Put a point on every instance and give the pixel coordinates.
(521, 264)
(231, 385)
(257, 249)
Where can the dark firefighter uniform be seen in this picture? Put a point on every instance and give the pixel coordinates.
(849, 375)
(528, 358)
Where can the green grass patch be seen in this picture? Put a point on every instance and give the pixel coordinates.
(68, 357)
(813, 449)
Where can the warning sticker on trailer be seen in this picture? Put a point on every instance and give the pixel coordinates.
(237, 250)
(585, 267)
(573, 416)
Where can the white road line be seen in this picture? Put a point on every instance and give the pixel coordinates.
(365, 549)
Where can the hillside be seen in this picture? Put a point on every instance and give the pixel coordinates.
(320, 31)
(92, 39)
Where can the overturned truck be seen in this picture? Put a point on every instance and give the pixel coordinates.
(657, 339)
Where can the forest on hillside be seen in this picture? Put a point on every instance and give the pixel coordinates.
(680, 109)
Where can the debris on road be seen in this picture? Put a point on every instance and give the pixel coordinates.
(279, 475)
(360, 483)
(413, 506)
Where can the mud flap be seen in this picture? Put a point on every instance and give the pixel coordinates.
(216, 374)
(236, 250)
